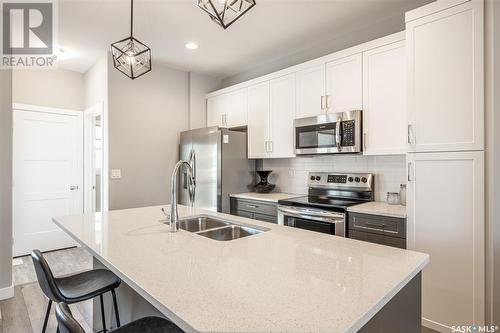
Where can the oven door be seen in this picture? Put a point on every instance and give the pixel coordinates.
(323, 221)
(328, 134)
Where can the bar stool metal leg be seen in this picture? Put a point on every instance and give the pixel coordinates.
(102, 314)
(115, 306)
(47, 316)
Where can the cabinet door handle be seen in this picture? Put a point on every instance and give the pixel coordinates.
(270, 146)
(411, 176)
(373, 225)
(252, 206)
(327, 99)
(322, 102)
(364, 140)
(411, 134)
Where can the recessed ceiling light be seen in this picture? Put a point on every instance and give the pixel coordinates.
(191, 46)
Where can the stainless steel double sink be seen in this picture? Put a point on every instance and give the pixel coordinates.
(217, 229)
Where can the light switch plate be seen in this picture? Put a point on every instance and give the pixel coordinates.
(116, 173)
(225, 138)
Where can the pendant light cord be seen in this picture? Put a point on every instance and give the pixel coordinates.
(131, 18)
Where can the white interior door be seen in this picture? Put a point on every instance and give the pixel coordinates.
(48, 177)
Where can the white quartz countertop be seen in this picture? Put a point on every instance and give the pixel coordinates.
(379, 208)
(270, 197)
(282, 280)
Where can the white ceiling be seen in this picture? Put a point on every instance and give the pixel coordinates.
(272, 29)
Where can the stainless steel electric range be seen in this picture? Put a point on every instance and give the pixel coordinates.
(324, 209)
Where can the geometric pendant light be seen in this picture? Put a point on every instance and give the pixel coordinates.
(130, 56)
(225, 12)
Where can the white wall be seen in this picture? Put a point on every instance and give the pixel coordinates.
(290, 175)
(363, 34)
(56, 88)
(95, 83)
(5, 183)
(199, 86)
(145, 118)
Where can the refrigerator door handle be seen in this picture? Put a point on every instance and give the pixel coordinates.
(192, 185)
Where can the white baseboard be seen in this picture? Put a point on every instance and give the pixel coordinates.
(7, 292)
(435, 325)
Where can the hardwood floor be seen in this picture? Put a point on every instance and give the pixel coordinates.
(25, 312)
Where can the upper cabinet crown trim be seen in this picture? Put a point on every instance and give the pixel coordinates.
(399, 36)
(432, 8)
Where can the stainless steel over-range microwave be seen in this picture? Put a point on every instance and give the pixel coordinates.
(330, 133)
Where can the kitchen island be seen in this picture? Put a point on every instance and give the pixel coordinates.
(281, 280)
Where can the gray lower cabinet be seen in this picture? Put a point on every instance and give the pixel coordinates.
(254, 209)
(378, 229)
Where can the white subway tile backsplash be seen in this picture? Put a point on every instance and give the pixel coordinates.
(290, 175)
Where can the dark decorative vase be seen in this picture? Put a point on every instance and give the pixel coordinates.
(264, 186)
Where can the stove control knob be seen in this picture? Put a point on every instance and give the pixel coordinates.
(312, 177)
(350, 179)
(318, 178)
(364, 180)
(357, 179)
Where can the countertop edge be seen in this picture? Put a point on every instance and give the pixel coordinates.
(364, 210)
(261, 196)
(162, 308)
(369, 315)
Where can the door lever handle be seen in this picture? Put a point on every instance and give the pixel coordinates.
(73, 188)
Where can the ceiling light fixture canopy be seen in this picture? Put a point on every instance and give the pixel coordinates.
(130, 56)
(225, 12)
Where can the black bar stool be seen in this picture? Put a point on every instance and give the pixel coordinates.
(75, 288)
(68, 324)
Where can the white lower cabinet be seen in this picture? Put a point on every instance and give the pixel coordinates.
(446, 220)
(271, 111)
(384, 100)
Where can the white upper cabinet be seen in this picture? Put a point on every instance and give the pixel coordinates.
(258, 120)
(228, 110)
(446, 79)
(311, 87)
(282, 114)
(215, 115)
(236, 109)
(271, 111)
(384, 100)
(344, 81)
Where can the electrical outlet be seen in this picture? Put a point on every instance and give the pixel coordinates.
(116, 173)
(291, 173)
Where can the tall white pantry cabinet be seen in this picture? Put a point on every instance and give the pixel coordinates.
(444, 42)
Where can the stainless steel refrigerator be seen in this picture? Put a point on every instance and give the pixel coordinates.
(221, 167)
